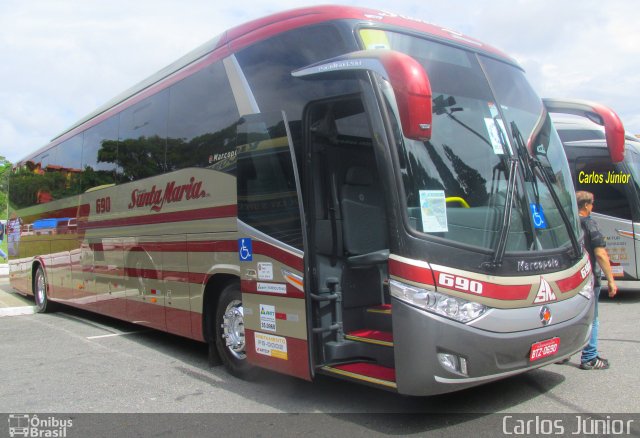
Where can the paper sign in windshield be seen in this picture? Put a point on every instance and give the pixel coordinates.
(434, 211)
(494, 135)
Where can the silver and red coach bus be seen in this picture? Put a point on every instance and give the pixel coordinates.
(330, 190)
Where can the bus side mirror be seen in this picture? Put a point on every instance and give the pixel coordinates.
(597, 113)
(408, 79)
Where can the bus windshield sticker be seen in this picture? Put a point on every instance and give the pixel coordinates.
(434, 211)
(537, 213)
(494, 135)
(374, 39)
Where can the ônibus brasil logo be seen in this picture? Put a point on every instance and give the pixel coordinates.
(156, 198)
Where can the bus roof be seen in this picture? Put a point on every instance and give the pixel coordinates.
(246, 34)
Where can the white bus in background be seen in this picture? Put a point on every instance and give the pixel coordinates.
(616, 189)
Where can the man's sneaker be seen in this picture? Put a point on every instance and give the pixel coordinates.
(595, 364)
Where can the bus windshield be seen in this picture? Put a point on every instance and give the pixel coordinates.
(485, 117)
(632, 159)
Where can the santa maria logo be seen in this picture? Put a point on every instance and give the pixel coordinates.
(156, 198)
(545, 293)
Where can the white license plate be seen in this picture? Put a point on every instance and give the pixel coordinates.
(543, 349)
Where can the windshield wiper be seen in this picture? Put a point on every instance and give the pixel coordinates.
(533, 162)
(501, 247)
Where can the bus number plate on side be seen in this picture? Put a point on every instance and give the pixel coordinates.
(543, 349)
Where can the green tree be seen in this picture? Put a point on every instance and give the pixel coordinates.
(5, 167)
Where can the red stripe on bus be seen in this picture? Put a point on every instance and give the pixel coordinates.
(411, 272)
(570, 283)
(426, 276)
(199, 246)
(213, 246)
(292, 260)
(161, 218)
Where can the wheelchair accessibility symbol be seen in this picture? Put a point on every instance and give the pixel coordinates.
(537, 214)
(245, 250)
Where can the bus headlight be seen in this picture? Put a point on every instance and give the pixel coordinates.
(451, 307)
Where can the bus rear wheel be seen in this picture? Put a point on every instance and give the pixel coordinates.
(40, 292)
(229, 333)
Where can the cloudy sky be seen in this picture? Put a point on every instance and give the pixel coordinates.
(60, 59)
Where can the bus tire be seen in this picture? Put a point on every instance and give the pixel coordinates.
(229, 333)
(40, 294)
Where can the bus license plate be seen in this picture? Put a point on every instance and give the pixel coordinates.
(543, 349)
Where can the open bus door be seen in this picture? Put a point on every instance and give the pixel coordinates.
(270, 250)
(348, 210)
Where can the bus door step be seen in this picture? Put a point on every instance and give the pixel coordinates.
(366, 372)
(376, 337)
(378, 317)
(384, 309)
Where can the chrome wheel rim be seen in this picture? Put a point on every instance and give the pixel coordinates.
(233, 329)
(40, 288)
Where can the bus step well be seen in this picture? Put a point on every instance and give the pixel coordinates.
(366, 372)
(369, 336)
(378, 317)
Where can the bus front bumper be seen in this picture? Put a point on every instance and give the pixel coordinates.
(419, 337)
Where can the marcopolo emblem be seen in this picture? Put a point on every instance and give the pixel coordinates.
(545, 316)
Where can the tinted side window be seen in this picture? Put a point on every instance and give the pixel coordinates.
(610, 199)
(268, 65)
(51, 175)
(66, 164)
(202, 121)
(143, 138)
(267, 194)
(100, 154)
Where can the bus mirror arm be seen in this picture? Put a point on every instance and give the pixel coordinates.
(597, 113)
(410, 83)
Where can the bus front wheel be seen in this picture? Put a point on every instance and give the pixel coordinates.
(229, 333)
(40, 292)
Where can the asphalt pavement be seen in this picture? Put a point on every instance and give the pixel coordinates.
(12, 303)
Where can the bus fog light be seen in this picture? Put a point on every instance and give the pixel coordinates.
(463, 366)
(451, 307)
(453, 363)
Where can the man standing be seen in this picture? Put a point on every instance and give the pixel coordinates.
(2, 253)
(595, 244)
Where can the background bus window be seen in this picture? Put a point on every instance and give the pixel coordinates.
(202, 122)
(143, 138)
(610, 199)
(99, 154)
